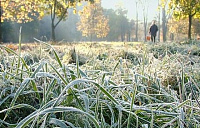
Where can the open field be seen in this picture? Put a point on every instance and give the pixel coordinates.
(102, 85)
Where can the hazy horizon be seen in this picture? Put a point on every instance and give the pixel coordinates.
(130, 6)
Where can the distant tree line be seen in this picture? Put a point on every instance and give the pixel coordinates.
(63, 21)
(120, 28)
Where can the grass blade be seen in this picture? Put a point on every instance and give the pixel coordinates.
(23, 123)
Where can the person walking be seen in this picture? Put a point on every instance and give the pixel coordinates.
(153, 30)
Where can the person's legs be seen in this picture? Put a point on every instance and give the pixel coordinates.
(154, 39)
(151, 38)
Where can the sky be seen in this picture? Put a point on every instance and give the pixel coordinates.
(130, 6)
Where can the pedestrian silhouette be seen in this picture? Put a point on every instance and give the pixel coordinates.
(153, 31)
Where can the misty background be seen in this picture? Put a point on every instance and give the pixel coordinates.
(123, 23)
(130, 5)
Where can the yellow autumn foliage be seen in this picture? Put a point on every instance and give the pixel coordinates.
(21, 10)
(92, 21)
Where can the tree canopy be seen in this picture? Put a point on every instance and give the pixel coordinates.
(92, 21)
(185, 9)
(23, 10)
(20, 10)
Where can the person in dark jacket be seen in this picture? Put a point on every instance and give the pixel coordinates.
(153, 30)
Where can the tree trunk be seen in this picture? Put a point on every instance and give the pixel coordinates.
(53, 35)
(122, 31)
(164, 25)
(0, 23)
(136, 31)
(136, 28)
(189, 29)
(159, 22)
(145, 23)
(128, 36)
(53, 26)
(91, 38)
(145, 28)
(122, 37)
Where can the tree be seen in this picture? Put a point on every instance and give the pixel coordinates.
(158, 20)
(114, 32)
(123, 22)
(21, 10)
(164, 24)
(136, 28)
(92, 21)
(196, 26)
(58, 10)
(7, 32)
(177, 29)
(70, 33)
(0, 23)
(144, 4)
(186, 9)
(120, 27)
(10, 31)
(165, 17)
(131, 27)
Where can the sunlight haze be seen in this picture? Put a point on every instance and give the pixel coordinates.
(130, 6)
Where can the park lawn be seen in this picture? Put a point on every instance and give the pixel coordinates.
(110, 84)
